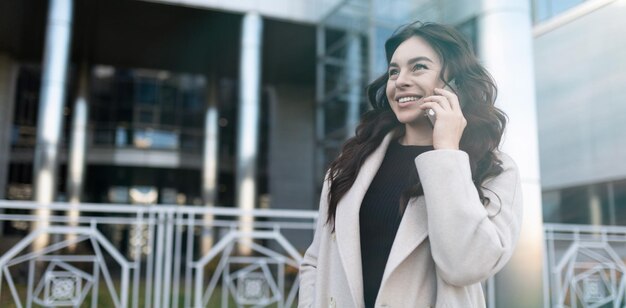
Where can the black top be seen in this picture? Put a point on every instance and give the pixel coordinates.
(380, 212)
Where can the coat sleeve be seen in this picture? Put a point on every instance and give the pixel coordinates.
(469, 241)
(308, 266)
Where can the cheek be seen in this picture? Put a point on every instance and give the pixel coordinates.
(390, 91)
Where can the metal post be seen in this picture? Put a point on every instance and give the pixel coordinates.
(611, 193)
(505, 46)
(78, 147)
(158, 252)
(210, 160)
(354, 77)
(8, 81)
(595, 205)
(78, 141)
(50, 117)
(248, 127)
(320, 119)
(167, 266)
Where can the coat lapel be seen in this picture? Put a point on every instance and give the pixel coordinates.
(347, 221)
(411, 233)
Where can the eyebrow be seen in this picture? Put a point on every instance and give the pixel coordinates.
(413, 60)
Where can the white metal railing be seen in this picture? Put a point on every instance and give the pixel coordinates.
(185, 256)
(584, 266)
(152, 256)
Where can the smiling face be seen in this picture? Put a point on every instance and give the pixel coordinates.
(413, 74)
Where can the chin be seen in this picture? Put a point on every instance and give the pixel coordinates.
(410, 118)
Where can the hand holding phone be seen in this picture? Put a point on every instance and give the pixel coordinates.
(430, 114)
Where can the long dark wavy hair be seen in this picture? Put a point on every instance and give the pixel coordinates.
(475, 88)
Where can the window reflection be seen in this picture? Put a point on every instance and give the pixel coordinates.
(546, 9)
(147, 109)
(596, 204)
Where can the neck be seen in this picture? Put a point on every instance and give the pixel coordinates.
(417, 133)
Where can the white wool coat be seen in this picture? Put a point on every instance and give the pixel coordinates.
(446, 244)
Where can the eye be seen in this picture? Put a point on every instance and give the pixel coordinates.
(393, 72)
(419, 67)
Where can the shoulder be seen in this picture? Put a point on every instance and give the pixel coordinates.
(509, 174)
(507, 162)
(503, 156)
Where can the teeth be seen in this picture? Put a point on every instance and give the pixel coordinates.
(408, 99)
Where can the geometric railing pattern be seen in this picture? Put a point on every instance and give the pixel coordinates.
(60, 283)
(153, 256)
(584, 266)
(249, 280)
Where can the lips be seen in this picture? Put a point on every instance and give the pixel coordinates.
(407, 100)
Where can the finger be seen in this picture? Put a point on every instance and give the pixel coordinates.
(441, 100)
(452, 98)
(432, 105)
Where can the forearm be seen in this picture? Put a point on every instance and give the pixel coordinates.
(469, 241)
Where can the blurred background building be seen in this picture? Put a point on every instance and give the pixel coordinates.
(244, 103)
(581, 110)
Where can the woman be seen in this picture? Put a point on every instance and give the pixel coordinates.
(415, 213)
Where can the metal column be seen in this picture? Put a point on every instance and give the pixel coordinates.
(77, 151)
(505, 46)
(209, 162)
(340, 73)
(50, 116)
(354, 76)
(248, 121)
(8, 81)
(78, 141)
(594, 196)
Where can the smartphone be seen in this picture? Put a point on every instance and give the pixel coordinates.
(430, 114)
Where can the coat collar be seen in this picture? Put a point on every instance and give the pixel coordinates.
(411, 232)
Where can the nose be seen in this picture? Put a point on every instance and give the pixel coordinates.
(402, 81)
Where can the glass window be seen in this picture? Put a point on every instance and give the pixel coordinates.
(541, 10)
(575, 205)
(469, 29)
(560, 6)
(619, 199)
(599, 203)
(146, 91)
(546, 9)
(551, 202)
(588, 204)
(168, 117)
(139, 99)
(192, 100)
(146, 117)
(168, 96)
